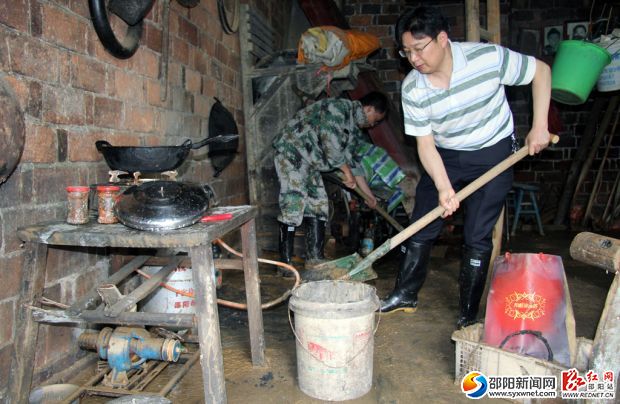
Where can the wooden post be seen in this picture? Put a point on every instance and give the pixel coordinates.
(473, 31)
(252, 292)
(472, 23)
(208, 325)
(596, 250)
(493, 22)
(26, 329)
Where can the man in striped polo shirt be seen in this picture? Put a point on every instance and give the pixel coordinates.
(454, 104)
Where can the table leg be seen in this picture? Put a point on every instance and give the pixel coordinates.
(26, 329)
(208, 324)
(252, 291)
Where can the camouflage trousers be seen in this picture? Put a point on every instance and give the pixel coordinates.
(302, 192)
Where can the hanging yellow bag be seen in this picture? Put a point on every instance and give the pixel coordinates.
(334, 47)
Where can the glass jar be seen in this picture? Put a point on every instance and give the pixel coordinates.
(106, 198)
(77, 198)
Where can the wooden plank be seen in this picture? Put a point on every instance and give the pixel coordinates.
(26, 329)
(208, 325)
(94, 234)
(261, 30)
(220, 263)
(252, 292)
(92, 299)
(126, 318)
(258, 53)
(263, 44)
(143, 290)
(259, 26)
(599, 251)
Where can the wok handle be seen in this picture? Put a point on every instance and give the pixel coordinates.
(214, 139)
(102, 144)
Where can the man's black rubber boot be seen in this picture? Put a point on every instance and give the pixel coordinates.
(410, 278)
(473, 276)
(286, 242)
(315, 241)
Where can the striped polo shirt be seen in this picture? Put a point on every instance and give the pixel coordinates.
(473, 112)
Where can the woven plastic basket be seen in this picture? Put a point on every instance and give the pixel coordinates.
(474, 355)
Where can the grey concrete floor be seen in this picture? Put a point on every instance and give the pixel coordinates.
(414, 357)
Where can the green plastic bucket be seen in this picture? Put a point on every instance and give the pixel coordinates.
(576, 69)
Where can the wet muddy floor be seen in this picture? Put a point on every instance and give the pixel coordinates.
(414, 357)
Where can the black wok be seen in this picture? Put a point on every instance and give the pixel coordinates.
(153, 159)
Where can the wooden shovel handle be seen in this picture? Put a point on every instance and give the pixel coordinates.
(462, 194)
(338, 179)
(380, 210)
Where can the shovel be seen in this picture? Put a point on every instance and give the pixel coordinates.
(338, 180)
(353, 267)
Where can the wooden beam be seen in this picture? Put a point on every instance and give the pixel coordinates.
(472, 21)
(252, 293)
(599, 251)
(493, 21)
(177, 320)
(208, 325)
(143, 290)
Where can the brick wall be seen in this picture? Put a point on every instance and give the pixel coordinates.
(549, 168)
(73, 93)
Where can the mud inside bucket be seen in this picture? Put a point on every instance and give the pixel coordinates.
(334, 330)
(577, 67)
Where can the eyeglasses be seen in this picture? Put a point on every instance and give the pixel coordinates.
(407, 53)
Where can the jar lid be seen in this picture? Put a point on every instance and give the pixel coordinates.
(108, 188)
(75, 188)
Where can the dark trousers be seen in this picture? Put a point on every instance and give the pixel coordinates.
(482, 208)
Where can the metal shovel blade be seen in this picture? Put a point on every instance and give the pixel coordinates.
(339, 269)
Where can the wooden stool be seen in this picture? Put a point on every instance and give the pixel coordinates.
(524, 207)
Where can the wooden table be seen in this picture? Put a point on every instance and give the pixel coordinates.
(196, 239)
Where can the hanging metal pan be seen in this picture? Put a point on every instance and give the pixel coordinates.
(12, 131)
(221, 121)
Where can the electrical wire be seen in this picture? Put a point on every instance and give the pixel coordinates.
(236, 305)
